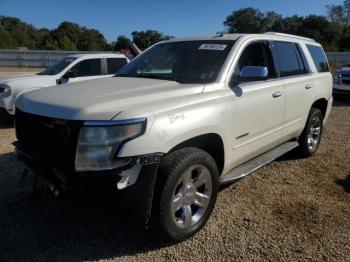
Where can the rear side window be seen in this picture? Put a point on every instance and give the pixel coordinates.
(319, 58)
(88, 67)
(289, 58)
(115, 64)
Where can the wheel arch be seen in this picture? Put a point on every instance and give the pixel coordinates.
(212, 143)
(321, 104)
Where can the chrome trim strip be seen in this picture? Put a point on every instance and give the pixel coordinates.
(115, 122)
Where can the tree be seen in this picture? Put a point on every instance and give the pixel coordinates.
(67, 36)
(18, 30)
(72, 30)
(7, 41)
(122, 43)
(144, 39)
(271, 21)
(245, 20)
(66, 44)
(335, 13)
(91, 40)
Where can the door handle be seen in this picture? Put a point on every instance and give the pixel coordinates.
(277, 94)
(308, 86)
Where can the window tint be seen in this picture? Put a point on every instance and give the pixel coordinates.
(89, 67)
(186, 62)
(115, 64)
(58, 66)
(304, 67)
(289, 59)
(255, 54)
(319, 58)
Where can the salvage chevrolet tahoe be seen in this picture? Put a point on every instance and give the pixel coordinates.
(183, 118)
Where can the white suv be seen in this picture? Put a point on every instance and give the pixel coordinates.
(183, 118)
(73, 68)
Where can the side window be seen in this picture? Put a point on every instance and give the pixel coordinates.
(289, 59)
(88, 67)
(115, 64)
(255, 54)
(319, 58)
(304, 67)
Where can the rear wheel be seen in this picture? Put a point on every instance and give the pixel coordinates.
(188, 197)
(311, 137)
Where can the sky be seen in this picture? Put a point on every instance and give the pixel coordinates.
(178, 18)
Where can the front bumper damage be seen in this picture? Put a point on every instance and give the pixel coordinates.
(132, 185)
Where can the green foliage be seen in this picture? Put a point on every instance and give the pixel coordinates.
(67, 36)
(247, 20)
(144, 39)
(122, 43)
(91, 39)
(333, 33)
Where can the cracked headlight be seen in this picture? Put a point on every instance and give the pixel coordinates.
(5, 91)
(100, 141)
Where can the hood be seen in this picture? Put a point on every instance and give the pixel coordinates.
(102, 99)
(26, 79)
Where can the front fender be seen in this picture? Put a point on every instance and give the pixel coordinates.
(168, 129)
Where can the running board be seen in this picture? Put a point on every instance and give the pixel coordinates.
(260, 161)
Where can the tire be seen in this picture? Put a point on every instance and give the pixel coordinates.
(313, 130)
(190, 184)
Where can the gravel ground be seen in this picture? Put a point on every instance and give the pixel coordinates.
(289, 210)
(6, 72)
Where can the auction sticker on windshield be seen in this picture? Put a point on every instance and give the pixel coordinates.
(216, 47)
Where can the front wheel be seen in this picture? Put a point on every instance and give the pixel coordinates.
(189, 193)
(311, 137)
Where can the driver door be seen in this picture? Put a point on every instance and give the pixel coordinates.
(258, 105)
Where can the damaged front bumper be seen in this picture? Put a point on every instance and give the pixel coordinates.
(133, 184)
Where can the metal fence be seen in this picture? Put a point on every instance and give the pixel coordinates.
(35, 58)
(44, 58)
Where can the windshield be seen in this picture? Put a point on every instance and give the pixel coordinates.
(58, 66)
(184, 62)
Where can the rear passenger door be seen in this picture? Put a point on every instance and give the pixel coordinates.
(113, 65)
(296, 77)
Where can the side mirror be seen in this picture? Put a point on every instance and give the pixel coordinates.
(254, 73)
(69, 74)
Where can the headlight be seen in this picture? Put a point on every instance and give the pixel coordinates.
(99, 143)
(336, 78)
(5, 91)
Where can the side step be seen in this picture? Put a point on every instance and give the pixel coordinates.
(260, 161)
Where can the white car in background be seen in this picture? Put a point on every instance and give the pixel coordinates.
(73, 68)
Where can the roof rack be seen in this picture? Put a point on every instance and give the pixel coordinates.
(290, 35)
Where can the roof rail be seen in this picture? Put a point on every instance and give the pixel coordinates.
(290, 35)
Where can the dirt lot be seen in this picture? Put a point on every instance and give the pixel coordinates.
(290, 210)
(9, 71)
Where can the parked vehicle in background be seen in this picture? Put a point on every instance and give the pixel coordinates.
(341, 83)
(184, 117)
(73, 68)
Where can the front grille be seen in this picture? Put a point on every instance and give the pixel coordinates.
(51, 141)
(345, 79)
